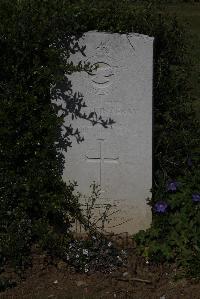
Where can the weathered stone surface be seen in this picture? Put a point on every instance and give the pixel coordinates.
(119, 159)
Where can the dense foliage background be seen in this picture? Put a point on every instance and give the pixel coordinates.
(36, 41)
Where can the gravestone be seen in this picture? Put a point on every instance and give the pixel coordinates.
(118, 158)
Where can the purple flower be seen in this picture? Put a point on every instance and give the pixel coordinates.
(196, 197)
(161, 207)
(172, 186)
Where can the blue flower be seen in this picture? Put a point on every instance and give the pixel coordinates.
(172, 186)
(196, 197)
(161, 207)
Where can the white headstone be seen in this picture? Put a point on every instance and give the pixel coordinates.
(119, 159)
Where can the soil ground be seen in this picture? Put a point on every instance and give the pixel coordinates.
(52, 278)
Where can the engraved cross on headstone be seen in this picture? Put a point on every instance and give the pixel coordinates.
(101, 159)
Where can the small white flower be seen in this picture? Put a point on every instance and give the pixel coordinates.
(119, 258)
(85, 251)
(77, 256)
(109, 244)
